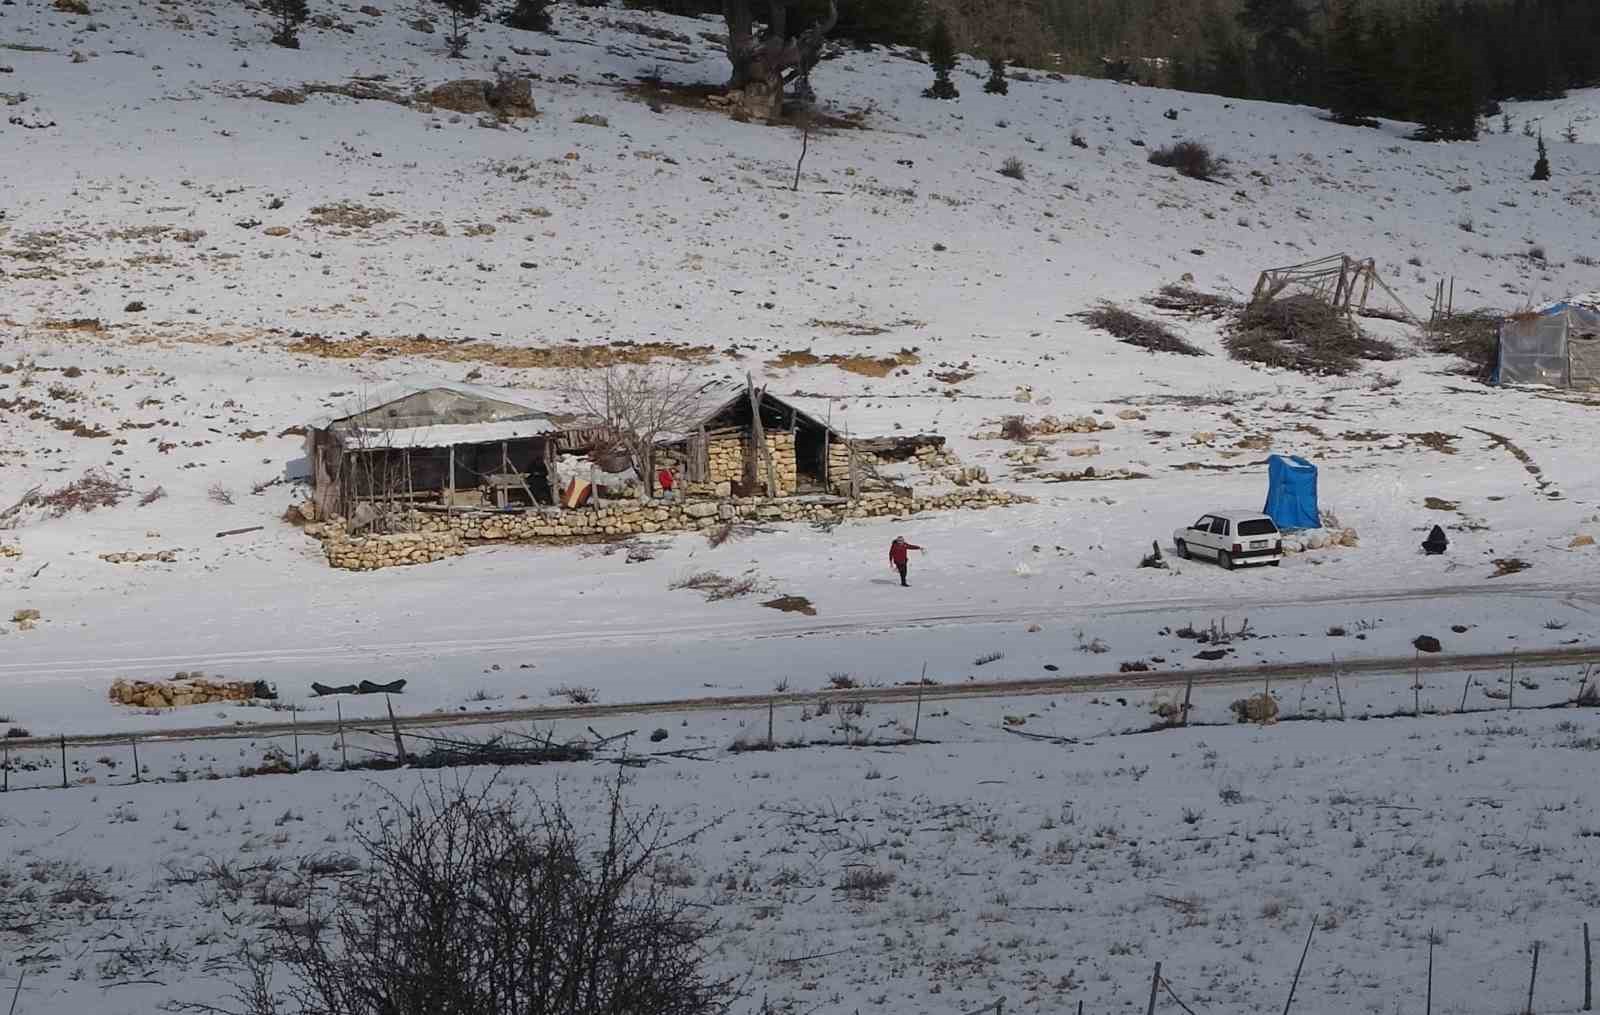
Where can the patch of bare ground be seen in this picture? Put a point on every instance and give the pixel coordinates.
(708, 97)
(516, 357)
(1439, 504)
(350, 216)
(862, 329)
(1433, 440)
(1520, 455)
(855, 363)
(792, 604)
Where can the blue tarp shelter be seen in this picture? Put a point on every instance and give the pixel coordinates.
(1292, 492)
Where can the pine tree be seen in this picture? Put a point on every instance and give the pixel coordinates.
(996, 85)
(527, 15)
(1444, 99)
(1541, 168)
(462, 13)
(290, 15)
(1279, 59)
(1352, 91)
(942, 56)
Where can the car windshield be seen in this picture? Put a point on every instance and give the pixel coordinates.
(1258, 527)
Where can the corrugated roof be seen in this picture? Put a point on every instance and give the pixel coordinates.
(393, 391)
(446, 435)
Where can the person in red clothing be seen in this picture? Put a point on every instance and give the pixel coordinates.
(899, 557)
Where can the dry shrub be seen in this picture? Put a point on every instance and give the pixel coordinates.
(1473, 337)
(865, 884)
(1192, 302)
(152, 495)
(1262, 708)
(1305, 334)
(717, 587)
(219, 494)
(1132, 329)
(1190, 158)
(470, 899)
(95, 489)
(1015, 428)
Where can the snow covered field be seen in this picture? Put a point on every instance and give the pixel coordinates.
(174, 248)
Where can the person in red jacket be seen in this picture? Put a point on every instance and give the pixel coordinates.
(899, 557)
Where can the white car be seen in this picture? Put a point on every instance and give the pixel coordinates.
(1234, 538)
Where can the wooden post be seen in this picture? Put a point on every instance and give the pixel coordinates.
(294, 721)
(1588, 971)
(5, 777)
(63, 761)
(343, 753)
(1511, 683)
(450, 490)
(1296, 981)
(1464, 689)
(770, 709)
(922, 682)
(1532, 979)
(394, 724)
(1188, 690)
(1416, 688)
(1155, 985)
(1337, 689)
(136, 776)
(1429, 1009)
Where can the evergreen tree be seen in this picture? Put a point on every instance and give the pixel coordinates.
(942, 56)
(462, 13)
(527, 15)
(1279, 59)
(1352, 89)
(996, 85)
(1444, 100)
(289, 15)
(1541, 168)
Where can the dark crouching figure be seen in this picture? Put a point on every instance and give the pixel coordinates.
(1436, 542)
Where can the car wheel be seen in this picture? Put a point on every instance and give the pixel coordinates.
(1225, 559)
(1183, 549)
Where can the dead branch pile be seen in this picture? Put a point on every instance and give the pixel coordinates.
(1473, 337)
(1143, 332)
(1303, 333)
(1180, 299)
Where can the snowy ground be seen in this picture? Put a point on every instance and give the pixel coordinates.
(149, 172)
(1046, 873)
(678, 227)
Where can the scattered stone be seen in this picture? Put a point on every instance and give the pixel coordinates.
(1582, 539)
(276, 231)
(73, 7)
(136, 557)
(421, 25)
(657, 735)
(134, 307)
(1426, 643)
(188, 689)
(371, 11)
(7, 550)
(26, 619)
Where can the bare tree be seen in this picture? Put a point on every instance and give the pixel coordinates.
(473, 900)
(640, 405)
(763, 64)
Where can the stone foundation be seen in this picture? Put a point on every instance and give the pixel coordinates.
(440, 535)
(368, 553)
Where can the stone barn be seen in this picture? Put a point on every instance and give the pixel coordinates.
(753, 443)
(430, 443)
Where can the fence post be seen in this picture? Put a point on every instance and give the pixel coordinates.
(343, 754)
(1188, 692)
(1532, 979)
(394, 724)
(1337, 689)
(63, 761)
(1429, 1010)
(916, 724)
(137, 778)
(1464, 689)
(1155, 985)
(294, 721)
(5, 779)
(1511, 683)
(1296, 981)
(1588, 967)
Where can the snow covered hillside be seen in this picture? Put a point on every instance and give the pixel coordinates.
(192, 270)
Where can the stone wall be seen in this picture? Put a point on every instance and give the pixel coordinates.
(368, 553)
(726, 458)
(187, 690)
(440, 535)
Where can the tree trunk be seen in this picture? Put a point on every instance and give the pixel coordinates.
(758, 64)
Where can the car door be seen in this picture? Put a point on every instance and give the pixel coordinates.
(1219, 537)
(1200, 536)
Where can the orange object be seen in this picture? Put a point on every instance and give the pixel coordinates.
(576, 494)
